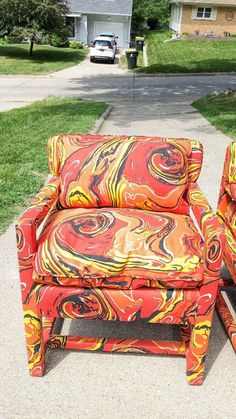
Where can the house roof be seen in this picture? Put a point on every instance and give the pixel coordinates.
(202, 2)
(102, 7)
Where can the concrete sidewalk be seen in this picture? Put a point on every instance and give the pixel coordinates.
(110, 386)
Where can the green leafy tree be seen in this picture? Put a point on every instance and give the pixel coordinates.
(33, 18)
(150, 13)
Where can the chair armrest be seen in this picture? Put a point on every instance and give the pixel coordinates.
(211, 229)
(30, 220)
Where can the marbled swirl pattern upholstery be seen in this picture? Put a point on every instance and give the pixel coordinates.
(227, 214)
(118, 243)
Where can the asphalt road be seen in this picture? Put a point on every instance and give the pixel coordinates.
(111, 84)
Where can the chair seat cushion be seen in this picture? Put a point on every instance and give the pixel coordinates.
(119, 248)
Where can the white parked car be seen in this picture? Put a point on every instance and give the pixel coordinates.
(110, 35)
(103, 49)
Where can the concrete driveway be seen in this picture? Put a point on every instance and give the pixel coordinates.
(90, 385)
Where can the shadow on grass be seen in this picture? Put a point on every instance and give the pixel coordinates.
(197, 66)
(41, 53)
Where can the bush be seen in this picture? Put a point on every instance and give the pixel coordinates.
(76, 45)
(233, 35)
(60, 41)
(5, 40)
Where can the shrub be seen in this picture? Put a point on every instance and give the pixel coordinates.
(46, 39)
(185, 33)
(5, 40)
(76, 45)
(233, 35)
(60, 41)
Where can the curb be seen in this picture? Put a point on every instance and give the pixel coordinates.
(232, 73)
(99, 123)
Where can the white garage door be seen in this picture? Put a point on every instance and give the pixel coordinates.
(100, 27)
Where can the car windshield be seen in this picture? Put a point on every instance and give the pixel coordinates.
(101, 43)
(109, 35)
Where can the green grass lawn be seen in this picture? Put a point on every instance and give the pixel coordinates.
(220, 111)
(14, 59)
(23, 137)
(189, 55)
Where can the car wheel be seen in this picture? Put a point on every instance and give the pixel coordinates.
(91, 60)
(112, 60)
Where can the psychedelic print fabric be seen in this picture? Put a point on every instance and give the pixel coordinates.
(227, 208)
(152, 264)
(119, 248)
(124, 172)
(227, 214)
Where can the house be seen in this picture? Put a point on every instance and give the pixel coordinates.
(88, 18)
(203, 18)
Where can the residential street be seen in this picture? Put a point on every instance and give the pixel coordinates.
(140, 105)
(90, 385)
(112, 84)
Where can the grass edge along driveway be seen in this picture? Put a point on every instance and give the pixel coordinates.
(23, 137)
(188, 56)
(220, 111)
(14, 59)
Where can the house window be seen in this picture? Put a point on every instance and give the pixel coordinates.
(204, 12)
(70, 23)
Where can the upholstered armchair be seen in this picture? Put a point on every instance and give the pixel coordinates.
(227, 214)
(127, 234)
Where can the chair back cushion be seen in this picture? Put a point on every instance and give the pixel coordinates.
(124, 172)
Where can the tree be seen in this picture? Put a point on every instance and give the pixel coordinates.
(33, 17)
(150, 13)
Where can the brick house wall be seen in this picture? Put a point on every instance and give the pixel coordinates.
(218, 26)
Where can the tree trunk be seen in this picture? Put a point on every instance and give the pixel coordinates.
(31, 48)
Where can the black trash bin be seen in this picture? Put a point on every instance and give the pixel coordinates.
(139, 43)
(132, 57)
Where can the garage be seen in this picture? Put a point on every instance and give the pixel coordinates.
(116, 27)
(91, 17)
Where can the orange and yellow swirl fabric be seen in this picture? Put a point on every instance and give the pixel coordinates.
(227, 208)
(119, 248)
(124, 172)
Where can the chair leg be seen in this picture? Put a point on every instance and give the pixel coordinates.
(34, 342)
(198, 345)
(196, 353)
(33, 327)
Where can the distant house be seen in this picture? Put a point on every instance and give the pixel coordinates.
(203, 18)
(88, 18)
